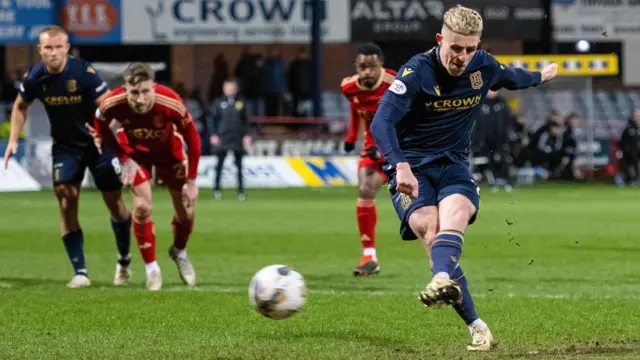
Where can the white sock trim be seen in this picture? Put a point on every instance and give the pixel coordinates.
(151, 267)
(476, 322)
(370, 252)
(454, 233)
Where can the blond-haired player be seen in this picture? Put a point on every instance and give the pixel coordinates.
(423, 127)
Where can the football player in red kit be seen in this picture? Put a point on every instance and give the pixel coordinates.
(364, 90)
(154, 126)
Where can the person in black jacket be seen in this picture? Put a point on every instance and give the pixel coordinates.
(630, 148)
(230, 132)
(569, 150)
(497, 120)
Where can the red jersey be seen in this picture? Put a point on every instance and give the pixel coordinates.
(364, 103)
(159, 133)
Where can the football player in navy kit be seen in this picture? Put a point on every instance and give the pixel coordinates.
(423, 127)
(70, 90)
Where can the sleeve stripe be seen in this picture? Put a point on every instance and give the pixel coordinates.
(171, 103)
(348, 80)
(112, 101)
(101, 87)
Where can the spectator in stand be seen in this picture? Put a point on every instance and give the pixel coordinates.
(219, 75)
(569, 149)
(497, 123)
(247, 73)
(299, 80)
(273, 72)
(194, 104)
(548, 147)
(519, 138)
(630, 148)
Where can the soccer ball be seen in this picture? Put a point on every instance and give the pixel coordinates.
(277, 291)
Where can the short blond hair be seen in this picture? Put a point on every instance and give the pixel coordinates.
(54, 30)
(463, 20)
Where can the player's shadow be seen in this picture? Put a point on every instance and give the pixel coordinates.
(616, 348)
(629, 280)
(608, 249)
(23, 283)
(364, 337)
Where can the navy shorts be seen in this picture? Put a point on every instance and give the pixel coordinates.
(435, 182)
(70, 166)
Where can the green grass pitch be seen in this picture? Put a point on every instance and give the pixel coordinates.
(554, 271)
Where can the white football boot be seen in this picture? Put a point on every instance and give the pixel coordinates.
(154, 280)
(481, 338)
(441, 291)
(123, 275)
(79, 281)
(185, 269)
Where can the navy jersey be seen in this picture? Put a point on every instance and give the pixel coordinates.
(427, 114)
(69, 99)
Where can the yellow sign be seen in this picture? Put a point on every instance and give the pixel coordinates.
(319, 171)
(568, 65)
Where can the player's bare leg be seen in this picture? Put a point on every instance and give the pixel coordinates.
(182, 226)
(121, 224)
(369, 182)
(72, 237)
(144, 233)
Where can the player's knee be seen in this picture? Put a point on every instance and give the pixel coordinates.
(366, 191)
(424, 222)
(68, 198)
(116, 205)
(457, 213)
(184, 216)
(142, 212)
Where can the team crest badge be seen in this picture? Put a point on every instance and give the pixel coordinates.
(158, 121)
(72, 86)
(476, 80)
(405, 201)
(239, 105)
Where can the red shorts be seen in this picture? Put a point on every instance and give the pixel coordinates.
(367, 162)
(171, 171)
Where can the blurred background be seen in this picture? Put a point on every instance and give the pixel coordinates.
(290, 56)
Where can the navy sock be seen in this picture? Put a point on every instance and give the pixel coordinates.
(466, 309)
(122, 231)
(446, 250)
(73, 242)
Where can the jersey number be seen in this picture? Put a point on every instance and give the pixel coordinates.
(116, 166)
(180, 171)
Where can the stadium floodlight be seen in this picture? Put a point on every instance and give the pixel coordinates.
(583, 46)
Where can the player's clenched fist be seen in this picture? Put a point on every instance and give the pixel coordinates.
(406, 183)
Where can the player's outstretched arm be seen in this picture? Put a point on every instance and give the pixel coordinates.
(516, 78)
(18, 118)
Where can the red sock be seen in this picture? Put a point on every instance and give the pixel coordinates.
(146, 240)
(181, 232)
(367, 218)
